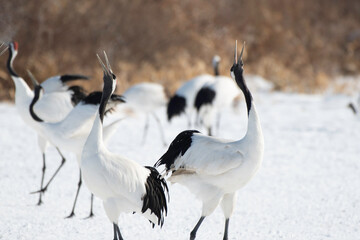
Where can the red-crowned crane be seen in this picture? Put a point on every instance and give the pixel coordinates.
(214, 169)
(121, 183)
(58, 100)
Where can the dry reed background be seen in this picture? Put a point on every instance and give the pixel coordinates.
(298, 45)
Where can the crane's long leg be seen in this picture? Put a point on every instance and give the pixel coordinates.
(193, 232)
(77, 194)
(146, 128)
(42, 180)
(91, 207)
(226, 229)
(117, 234)
(218, 117)
(63, 160)
(160, 128)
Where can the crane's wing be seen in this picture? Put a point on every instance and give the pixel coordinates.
(201, 154)
(57, 83)
(53, 107)
(125, 177)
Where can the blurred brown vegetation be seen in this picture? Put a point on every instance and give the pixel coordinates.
(298, 45)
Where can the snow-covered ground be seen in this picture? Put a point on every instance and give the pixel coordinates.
(307, 188)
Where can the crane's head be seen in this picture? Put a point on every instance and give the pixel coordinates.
(109, 77)
(215, 61)
(13, 47)
(238, 62)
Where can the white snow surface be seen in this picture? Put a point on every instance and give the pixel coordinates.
(307, 188)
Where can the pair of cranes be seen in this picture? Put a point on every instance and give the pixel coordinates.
(213, 169)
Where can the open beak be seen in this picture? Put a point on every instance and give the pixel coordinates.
(107, 68)
(33, 79)
(6, 47)
(242, 51)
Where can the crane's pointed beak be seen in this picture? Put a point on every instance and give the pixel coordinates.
(33, 79)
(6, 47)
(242, 51)
(102, 64)
(107, 62)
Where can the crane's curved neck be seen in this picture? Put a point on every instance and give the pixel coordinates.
(23, 93)
(37, 91)
(9, 65)
(216, 69)
(254, 130)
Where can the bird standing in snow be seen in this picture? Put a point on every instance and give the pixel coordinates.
(183, 100)
(122, 184)
(214, 169)
(56, 103)
(146, 98)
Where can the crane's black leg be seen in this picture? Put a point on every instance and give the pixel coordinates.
(115, 232)
(91, 207)
(160, 129)
(42, 179)
(63, 160)
(146, 128)
(118, 232)
(218, 123)
(77, 193)
(226, 229)
(193, 232)
(209, 131)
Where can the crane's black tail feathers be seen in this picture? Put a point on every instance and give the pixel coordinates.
(176, 106)
(205, 96)
(77, 95)
(178, 147)
(68, 78)
(155, 199)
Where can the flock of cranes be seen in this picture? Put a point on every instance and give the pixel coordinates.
(213, 169)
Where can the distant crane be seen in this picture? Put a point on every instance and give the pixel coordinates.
(122, 184)
(214, 97)
(70, 134)
(58, 100)
(214, 169)
(182, 102)
(146, 98)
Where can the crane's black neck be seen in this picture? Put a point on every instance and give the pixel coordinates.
(106, 94)
(37, 91)
(239, 77)
(9, 63)
(216, 69)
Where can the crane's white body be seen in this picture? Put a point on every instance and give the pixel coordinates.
(220, 165)
(145, 97)
(226, 91)
(189, 90)
(118, 181)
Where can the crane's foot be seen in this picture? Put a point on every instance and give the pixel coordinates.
(72, 214)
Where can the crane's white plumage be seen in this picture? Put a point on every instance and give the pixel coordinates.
(71, 133)
(147, 98)
(184, 97)
(122, 184)
(214, 169)
(54, 106)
